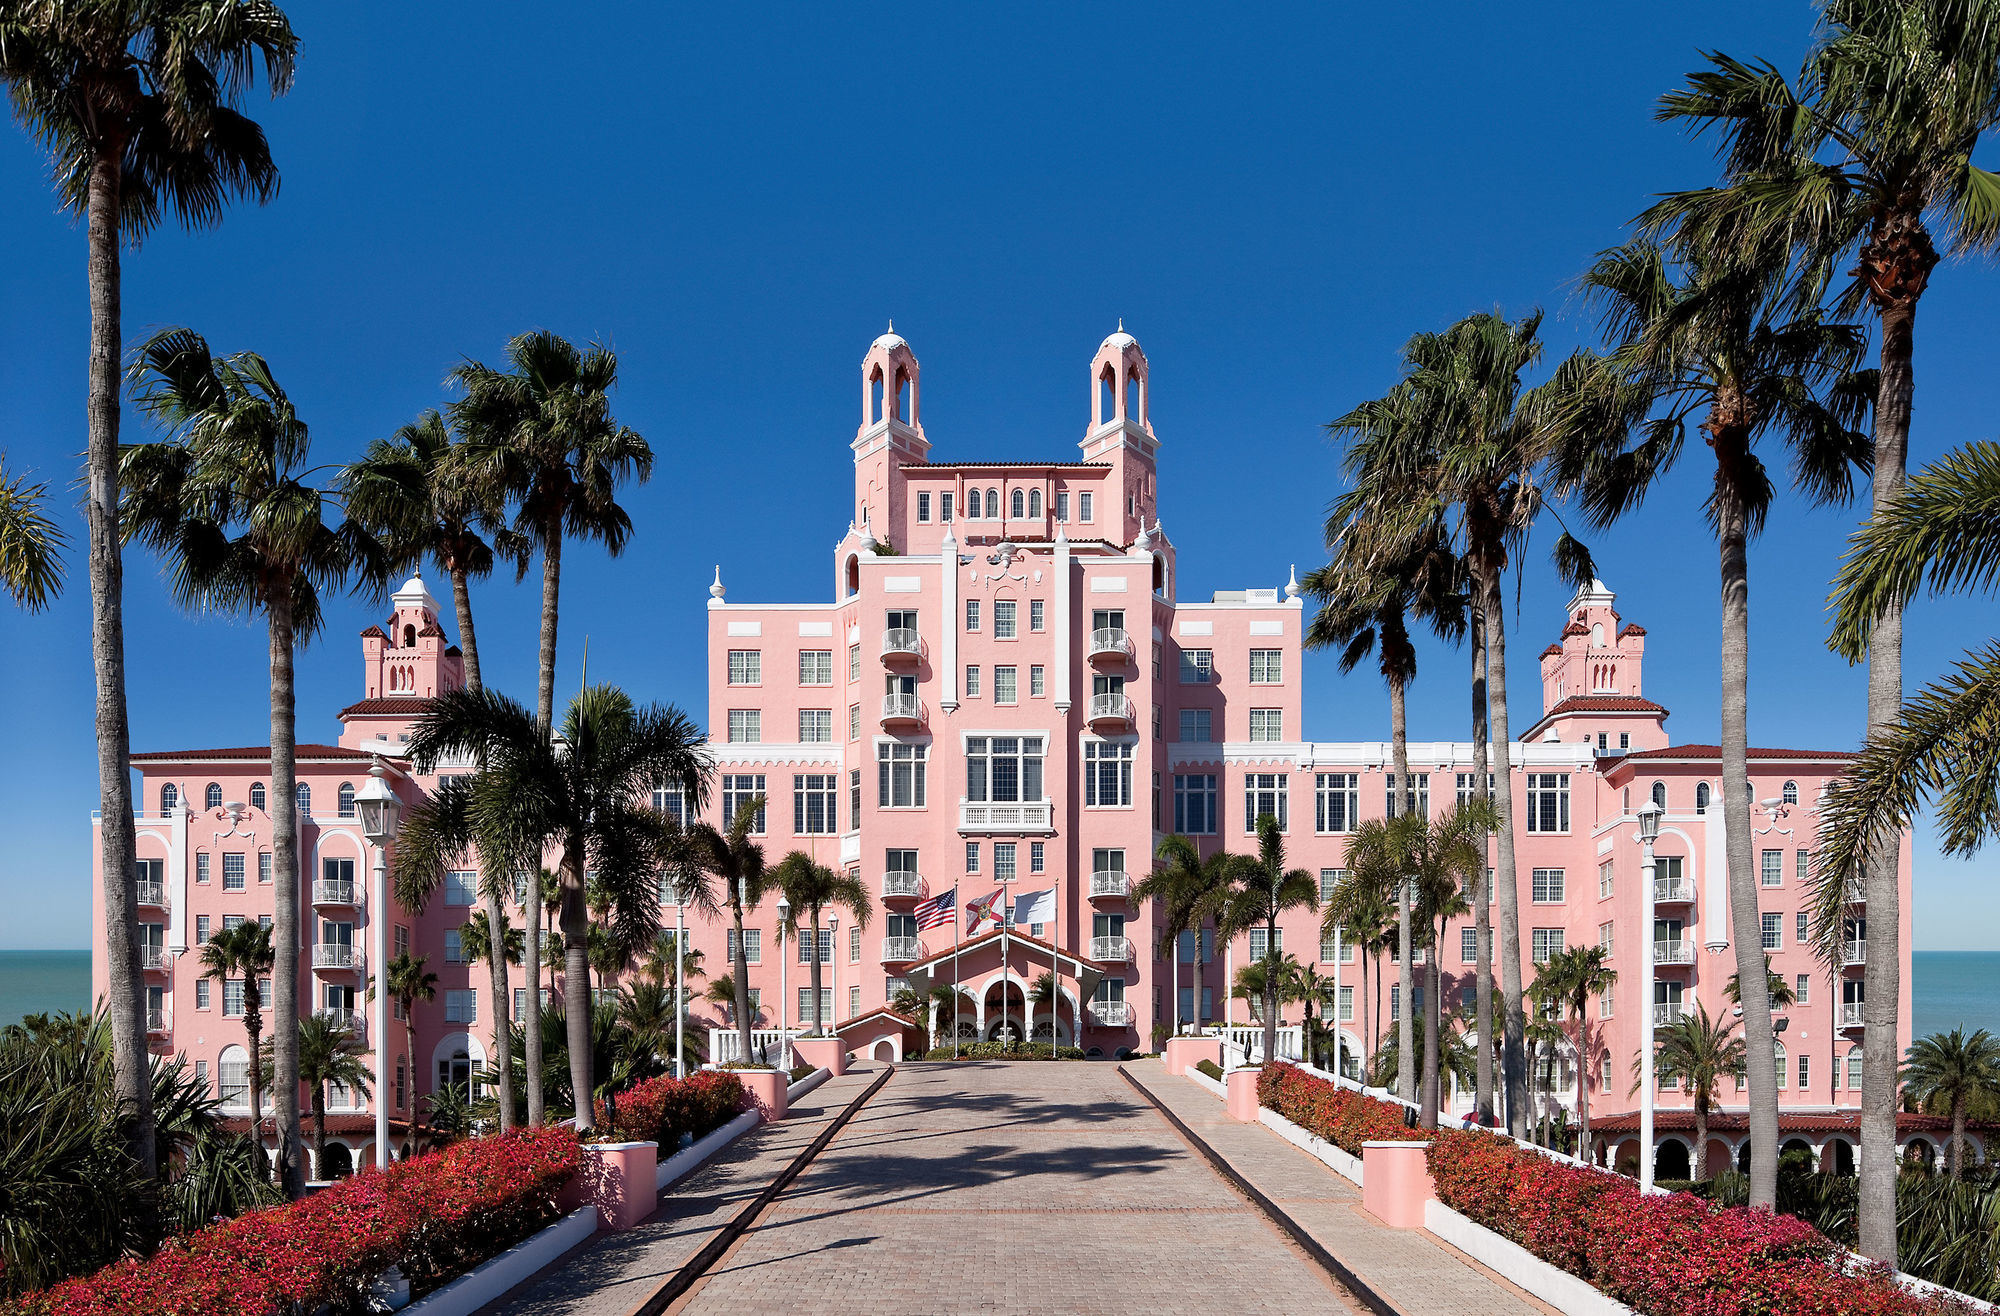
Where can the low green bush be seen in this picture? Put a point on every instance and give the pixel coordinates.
(1210, 1068)
(801, 1071)
(1000, 1051)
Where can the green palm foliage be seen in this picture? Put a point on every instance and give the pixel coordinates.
(225, 502)
(476, 942)
(1261, 888)
(1783, 995)
(734, 862)
(245, 952)
(1569, 980)
(329, 1052)
(1186, 891)
(136, 103)
(617, 1058)
(1954, 1071)
(1360, 909)
(646, 1011)
(1697, 1052)
(582, 798)
(809, 888)
(1273, 979)
(409, 982)
(1456, 1058)
(31, 544)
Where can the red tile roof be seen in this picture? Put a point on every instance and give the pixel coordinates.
(1631, 628)
(1575, 628)
(1552, 651)
(374, 633)
(386, 706)
(897, 1015)
(253, 754)
(951, 466)
(1604, 704)
(1681, 1120)
(1715, 752)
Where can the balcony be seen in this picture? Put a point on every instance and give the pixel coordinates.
(901, 644)
(902, 710)
(351, 1020)
(335, 891)
(1111, 643)
(902, 886)
(1110, 709)
(1110, 884)
(1673, 952)
(159, 1019)
(1673, 891)
(153, 893)
(1027, 816)
(1855, 952)
(1110, 1014)
(336, 955)
(901, 950)
(1857, 892)
(1111, 950)
(1850, 1014)
(155, 958)
(1665, 1016)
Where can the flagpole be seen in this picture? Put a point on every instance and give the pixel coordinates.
(954, 974)
(1055, 968)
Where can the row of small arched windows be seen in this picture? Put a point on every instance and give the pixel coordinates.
(1789, 794)
(170, 798)
(1021, 504)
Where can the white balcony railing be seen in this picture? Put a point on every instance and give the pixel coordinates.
(902, 884)
(1850, 1014)
(1856, 953)
(1673, 952)
(1857, 891)
(1111, 950)
(153, 893)
(355, 1021)
(1110, 882)
(335, 955)
(334, 891)
(1110, 642)
(155, 957)
(902, 642)
(1672, 891)
(1110, 1014)
(901, 949)
(769, 1045)
(1030, 816)
(902, 708)
(1110, 708)
(1666, 1015)
(158, 1019)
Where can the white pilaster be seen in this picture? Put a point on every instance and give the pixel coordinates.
(948, 642)
(1064, 658)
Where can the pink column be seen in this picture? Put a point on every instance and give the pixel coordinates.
(1242, 1084)
(828, 1053)
(1396, 1182)
(621, 1179)
(764, 1092)
(1184, 1053)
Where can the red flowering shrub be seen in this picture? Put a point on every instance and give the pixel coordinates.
(1667, 1255)
(1343, 1117)
(434, 1216)
(662, 1109)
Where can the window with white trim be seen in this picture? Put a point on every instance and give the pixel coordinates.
(461, 1007)
(1107, 774)
(1194, 804)
(815, 667)
(1005, 620)
(815, 726)
(1604, 936)
(1267, 666)
(1548, 802)
(972, 857)
(1773, 927)
(900, 776)
(1548, 886)
(1605, 881)
(746, 667)
(972, 614)
(853, 662)
(816, 803)
(1197, 666)
(1062, 507)
(1802, 988)
(1004, 861)
(1329, 880)
(461, 888)
(753, 945)
(1336, 801)
(454, 947)
(1003, 769)
(1083, 506)
(1035, 615)
(972, 681)
(232, 872)
(746, 726)
(1421, 802)
(854, 721)
(1037, 681)
(738, 789)
(201, 869)
(1197, 725)
(923, 506)
(1772, 868)
(1260, 942)
(1465, 787)
(1265, 794)
(1468, 945)
(1267, 724)
(1546, 942)
(670, 802)
(1006, 684)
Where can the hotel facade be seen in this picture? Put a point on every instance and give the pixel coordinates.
(1005, 691)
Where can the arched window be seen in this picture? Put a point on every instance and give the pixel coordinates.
(853, 576)
(1659, 794)
(346, 798)
(1701, 797)
(1018, 504)
(875, 396)
(169, 797)
(409, 636)
(1107, 395)
(256, 794)
(1778, 1055)
(305, 794)
(1791, 792)
(1132, 397)
(1597, 635)
(1034, 502)
(993, 504)
(212, 797)
(232, 1070)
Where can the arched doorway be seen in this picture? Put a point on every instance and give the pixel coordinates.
(1006, 1031)
(1789, 1146)
(1743, 1157)
(884, 1050)
(1840, 1157)
(1918, 1151)
(339, 1162)
(1672, 1162)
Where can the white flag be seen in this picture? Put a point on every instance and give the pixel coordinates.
(1035, 907)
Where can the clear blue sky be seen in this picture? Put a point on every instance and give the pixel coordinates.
(1272, 200)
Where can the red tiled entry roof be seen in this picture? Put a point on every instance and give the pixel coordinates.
(1715, 752)
(386, 706)
(1681, 1120)
(253, 754)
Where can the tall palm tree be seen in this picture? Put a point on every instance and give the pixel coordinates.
(809, 888)
(329, 1052)
(583, 798)
(1858, 165)
(1261, 889)
(1571, 979)
(408, 982)
(244, 951)
(1451, 863)
(1700, 332)
(1697, 1052)
(1953, 1070)
(224, 500)
(410, 492)
(31, 545)
(1185, 890)
(136, 103)
(1257, 979)
(1360, 908)
(736, 863)
(475, 939)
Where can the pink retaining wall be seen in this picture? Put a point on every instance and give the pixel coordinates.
(1184, 1053)
(764, 1090)
(828, 1053)
(1396, 1182)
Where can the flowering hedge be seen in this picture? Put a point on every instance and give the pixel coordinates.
(1343, 1117)
(1666, 1255)
(662, 1109)
(434, 1216)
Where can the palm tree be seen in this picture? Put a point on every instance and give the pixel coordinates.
(476, 942)
(224, 501)
(737, 864)
(1569, 979)
(1697, 1052)
(1260, 889)
(244, 951)
(1309, 988)
(1258, 980)
(1044, 991)
(31, 545)
(329, 1052)
(1783, 997)
(1451, 861)
(646, 1013)
(948, 1000)
(409, 492)
(722, 994)
(1185, 890)
(581, 797)
(409, 982)
(1360, 908)
(809, 887)
(1699, 332)
(1952, 1070)
(137, 106)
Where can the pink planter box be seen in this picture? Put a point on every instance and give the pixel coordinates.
(1242, 1085)
(620, 1179)
(1396, 1182)
(828, 1053)
(1184, 1053)
(764, 1092)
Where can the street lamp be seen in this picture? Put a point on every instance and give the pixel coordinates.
(379, 807)
(680, 972)
(784, 988)
(1649, 832)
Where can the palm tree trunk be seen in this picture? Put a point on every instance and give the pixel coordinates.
(410, 1044)
(1482, 899)
(742, 984)
(117, 837)
(1700, 1167)
(814, 971)
(319, 1131)
(1584, 1052)
(1402, 798)
(1434, 984)
(576, 989)
(253, 1028)
(1195, 973)
(531, 1012)
(545, 689)
(1271, 989)
(285, 933)
(1957, 1127)
(461, 602)
(1746, 927)
(490, 901)
(1513, 1060)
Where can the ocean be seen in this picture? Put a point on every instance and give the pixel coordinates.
(42, 982)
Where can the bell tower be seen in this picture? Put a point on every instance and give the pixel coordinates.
(1121, 430)
(891, 435)
(408, 654)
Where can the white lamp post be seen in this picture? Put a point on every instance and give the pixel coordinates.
(379, 807)
(680, 973)
(1649, 831)
(784, 987)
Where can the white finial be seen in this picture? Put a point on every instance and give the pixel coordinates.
(1292, 585)
(1144, 543)
(715, 590)
(1121, 324)
(892, 326)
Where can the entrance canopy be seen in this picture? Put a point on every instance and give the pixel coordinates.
(977, 960)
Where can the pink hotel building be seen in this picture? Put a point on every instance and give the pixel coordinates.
(1006, 687)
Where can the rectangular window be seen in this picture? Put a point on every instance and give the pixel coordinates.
(806, 942)
(1347, 1005)
(1004, 619)
(1604, 880)
(1548, 886)
(233, 1080)
(815, 726)
(900, 776)
(1772, 868)
(264, 868)
(461, 1007)
(1267, 724)
(738, 789)
(1038, 856)
(854, 721)
(972, 614)
(853, 662)
(1803, 869)
(1197, 666)
(1805, 1072)
(1036, 619)
(1546, 942)
(816, 803)
(1468, 945)
(1062, 507)
(1329, 880)
(1802, 988)
(853, 1002)
(1804, 926)
(201, 993)
(1774, 931)
(201, 868)
(1604, 935)
(854, 941)
(1265, 794)
(1003, 769)
(461, 888)
(1006, 685)
(232, 997)
(1037, 681)
(854, 799)
(972, 681)
(200, 928)
(1548, 801)
(1083, 506)
(816, 667)
(1267, 666)
(746, 667)
(1003, 861)
(454, 947)
(1194, 803)
(232, 872)
(944, 507)
(1197, 725)
(1466, 789)
(1337, 801)
(923, 507)
(1421, 802)
(1327, 947)
(753, 945)
(972, 857)
(1854, 1070)
(1107, 774)
(1260, 942)
(746, 726)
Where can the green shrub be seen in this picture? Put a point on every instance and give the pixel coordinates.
(1001, 1051)
(1210, 1068)
(801, 1071)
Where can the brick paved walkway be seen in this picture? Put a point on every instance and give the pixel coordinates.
(1415, 1272)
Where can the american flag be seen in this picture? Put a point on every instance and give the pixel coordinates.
(938, 910)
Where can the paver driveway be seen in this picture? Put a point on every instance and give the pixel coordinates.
(1014, 1188)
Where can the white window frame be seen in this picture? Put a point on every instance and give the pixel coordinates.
(1267, 667)
(1267, 726)
(746, 667)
